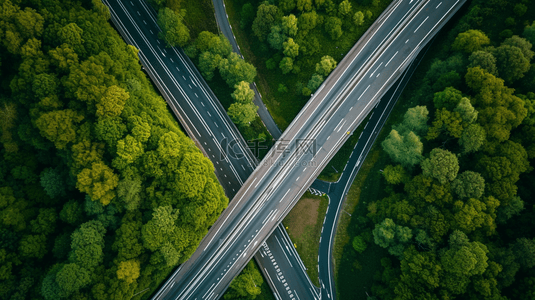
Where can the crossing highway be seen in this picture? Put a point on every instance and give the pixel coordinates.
(337, 191)
(205, 120)
(319, 130)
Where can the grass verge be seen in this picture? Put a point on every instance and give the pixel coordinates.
(303, 224)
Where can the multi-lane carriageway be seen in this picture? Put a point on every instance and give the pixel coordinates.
(335, 110)
(206, 122)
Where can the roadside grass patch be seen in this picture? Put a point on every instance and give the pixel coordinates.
(304, 224)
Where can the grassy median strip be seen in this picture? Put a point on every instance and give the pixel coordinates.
(304, 224)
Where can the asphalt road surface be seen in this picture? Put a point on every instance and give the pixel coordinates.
(204, 119)
(187, 94)
(337, 191)
(319, 130)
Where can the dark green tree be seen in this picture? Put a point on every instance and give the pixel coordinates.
(266, 16)
(174, 32)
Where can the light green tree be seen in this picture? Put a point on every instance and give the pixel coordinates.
(59, 126)
(467, 112)
(344, 8)
(358, 18)
(472, 138)
(406, 150)
(243, 93)
(246, 285)
(290, 48)
(470, 41)
(242, 113)
(234, 69)
(99, 182)
(289, 25)
(128, 270)
(326, 65)
(395, 174)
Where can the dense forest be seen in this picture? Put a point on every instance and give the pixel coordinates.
(457, 220)
(101, 193)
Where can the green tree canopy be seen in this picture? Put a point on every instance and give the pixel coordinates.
(286, 65)
(276, 37)
(333, 26)
(406, 150)
(469, 184)
(308, 21)
(53, 183)
(289, 25)
(472, 138)
(470, 41)
(511, 62)
(290, 48)
(208, 62)
(246, 285)
(529, 33)
(395, 174)
(243, 93)
(449, 98)
(128, 270)
(266, 16)
(99, 182)
(234, 69)
(326, 65)
(59, 126)
(242, 113)
(415, 120)
(174, 32)
(441, 165)
(485, 60)
(315, 81)
(466, 111)
(358, 18)
(215, 44)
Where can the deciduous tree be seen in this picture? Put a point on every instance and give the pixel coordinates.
(59, 126)
(266, 16)
(358, 18)
(406, 150)
(286, 65)
(99, 182)
(442, 165)
(128, 270)
(290, 48)
(242, 113)
(243, 93)
(174, 32)
(289, 25)
(469, 184)
(234, 69)
(470, 41)
(326, 65)
(333, 26)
